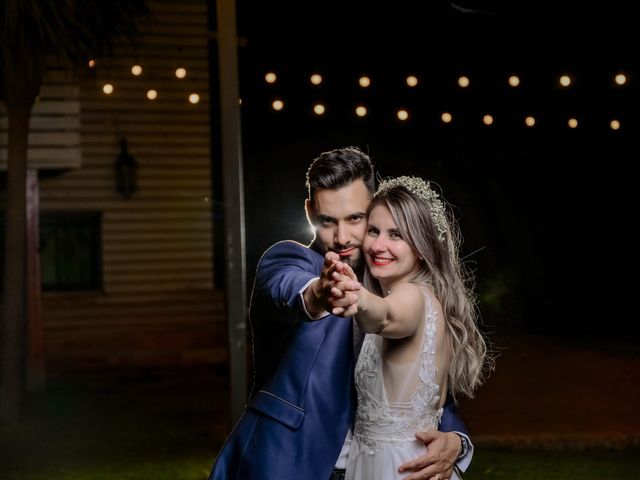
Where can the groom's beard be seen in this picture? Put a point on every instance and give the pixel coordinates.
(355, 261)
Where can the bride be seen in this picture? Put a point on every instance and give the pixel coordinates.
(422, 342)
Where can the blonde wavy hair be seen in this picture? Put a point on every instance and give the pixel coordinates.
(443, 271)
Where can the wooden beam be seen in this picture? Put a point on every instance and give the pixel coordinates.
(233, 186)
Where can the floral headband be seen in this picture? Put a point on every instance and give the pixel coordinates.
(423, 191)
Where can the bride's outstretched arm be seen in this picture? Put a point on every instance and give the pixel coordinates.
(397, 315)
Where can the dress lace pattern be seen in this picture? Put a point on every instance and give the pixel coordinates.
(380, 422)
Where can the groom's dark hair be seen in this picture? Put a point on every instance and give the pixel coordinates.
(338, 168)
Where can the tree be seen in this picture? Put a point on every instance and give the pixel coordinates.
(29, 31)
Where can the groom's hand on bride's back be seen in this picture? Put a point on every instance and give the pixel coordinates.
(443, 449)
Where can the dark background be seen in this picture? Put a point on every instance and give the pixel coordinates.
(546, 212)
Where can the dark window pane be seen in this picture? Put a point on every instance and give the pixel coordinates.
(70, 250)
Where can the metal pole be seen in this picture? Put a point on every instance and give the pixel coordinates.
(233, 186)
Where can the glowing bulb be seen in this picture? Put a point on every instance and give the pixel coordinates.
(565, 80)
(573, 123)
(136, 70)
(361, 111)
(487, 119)
(194, 98)
(239, 101)
(107, 88)
(514, 80)
(615, 125)
(412, 80)
(529, 121)
(277, 105)
(364, 81)
(446, 117)
(316, 79)
(620, 79)
(270, 77)
(318, 109)
(92, 63)
(152, 94)
(463, 81)
(181, 72)
(402, 115)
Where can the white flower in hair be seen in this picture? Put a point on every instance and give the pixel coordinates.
(423, 191)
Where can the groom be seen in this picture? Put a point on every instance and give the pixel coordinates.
(297, 424)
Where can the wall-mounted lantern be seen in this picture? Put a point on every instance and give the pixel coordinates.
(126, 172)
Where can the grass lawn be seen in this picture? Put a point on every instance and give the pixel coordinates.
(529, 465)
(153, 432)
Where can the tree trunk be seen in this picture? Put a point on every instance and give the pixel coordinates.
(35, 373)
(13, 347)
(23, 76)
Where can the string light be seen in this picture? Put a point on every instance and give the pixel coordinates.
(181, 72)
(136, 70)
(412, 80)
(364, 81)
(107, 88)
(152, 94)
(194, 98)
(92, 63)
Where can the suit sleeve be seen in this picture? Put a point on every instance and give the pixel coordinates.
(282, 272)
(451, 422)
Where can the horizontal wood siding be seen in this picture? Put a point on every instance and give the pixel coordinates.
(54, 135)
(88, 333)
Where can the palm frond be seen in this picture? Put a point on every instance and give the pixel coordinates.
(76, 29)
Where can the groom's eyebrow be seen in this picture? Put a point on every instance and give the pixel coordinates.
(328, 218)
(325, 218)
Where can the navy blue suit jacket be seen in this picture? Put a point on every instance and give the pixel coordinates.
(303, 398)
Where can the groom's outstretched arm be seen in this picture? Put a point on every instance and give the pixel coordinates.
(283, 272)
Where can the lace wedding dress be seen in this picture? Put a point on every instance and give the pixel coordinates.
(394, 402)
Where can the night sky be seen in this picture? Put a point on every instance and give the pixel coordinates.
(545, 212)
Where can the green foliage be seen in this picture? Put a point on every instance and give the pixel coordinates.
(75, 28)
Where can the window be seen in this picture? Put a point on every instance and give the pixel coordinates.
(70, 253)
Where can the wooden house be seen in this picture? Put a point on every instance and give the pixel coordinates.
(127, 271)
